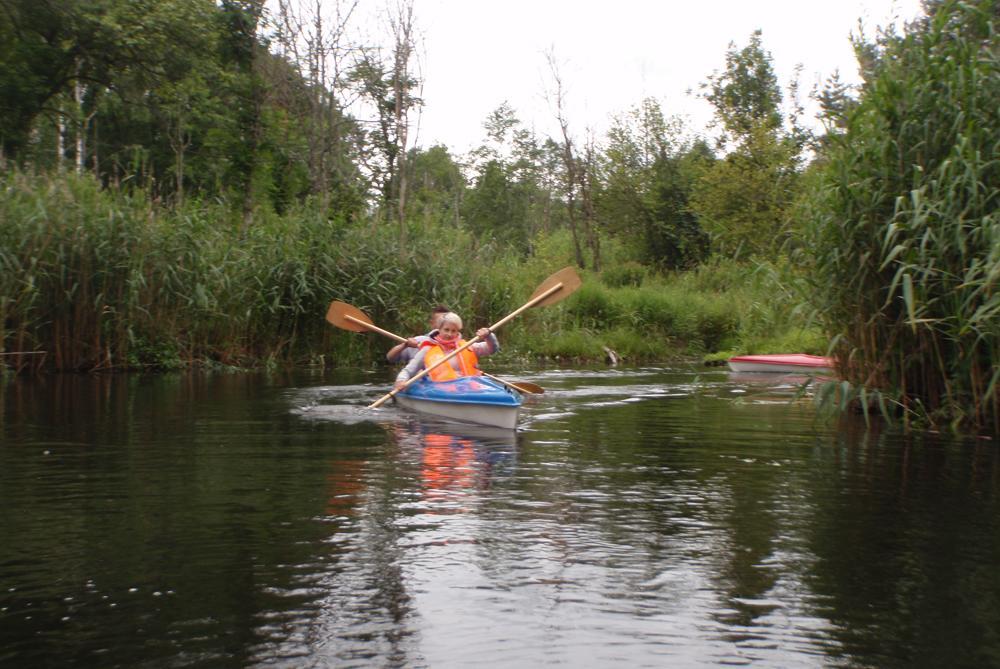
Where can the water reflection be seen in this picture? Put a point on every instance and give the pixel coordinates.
(457, 462)
(646, 517)
(390, 520)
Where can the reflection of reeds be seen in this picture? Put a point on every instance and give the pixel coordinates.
(906, 239)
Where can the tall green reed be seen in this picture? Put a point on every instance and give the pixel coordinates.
(104, 279)
(905, 232)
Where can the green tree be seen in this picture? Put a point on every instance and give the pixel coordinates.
(437, 187)
(52, 47)
(746, 94)
(743, 200)
(673, 236)
(510, 169)
(242, 52)
(836, 101)
(495, 208)
(648, 172)
(181, 97)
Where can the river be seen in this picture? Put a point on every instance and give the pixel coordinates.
(639, 517)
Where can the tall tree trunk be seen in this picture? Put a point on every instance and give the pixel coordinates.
(569, 161)
(61, 137)
(402, 24)
(179, 142)
(587, 198)
(81, 127)
(571, 201)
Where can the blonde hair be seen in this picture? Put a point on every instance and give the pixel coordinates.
(452, 317)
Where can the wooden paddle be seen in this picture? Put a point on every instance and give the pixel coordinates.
(348, 317)
(525, 387)
(554, 289)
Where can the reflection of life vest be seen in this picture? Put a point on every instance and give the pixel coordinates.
(468, 362)
(345, 485)
(448, 466)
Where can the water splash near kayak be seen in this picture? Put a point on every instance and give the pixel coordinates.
(346, 404)
(348, 414)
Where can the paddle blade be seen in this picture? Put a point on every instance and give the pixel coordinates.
(525, 387)
(570, 281)
(341, 314)
(528, 387)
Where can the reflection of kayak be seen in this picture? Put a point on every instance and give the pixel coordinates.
(487, 436)
(471, 399)
(782, 363)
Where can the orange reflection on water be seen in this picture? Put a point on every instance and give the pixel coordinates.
(344, 485)
(448, 467)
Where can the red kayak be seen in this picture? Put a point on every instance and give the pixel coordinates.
(782, 363)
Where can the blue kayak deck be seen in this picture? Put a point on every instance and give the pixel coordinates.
(466, 390)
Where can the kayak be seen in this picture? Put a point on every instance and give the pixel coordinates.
(782, 363)
(470, 399)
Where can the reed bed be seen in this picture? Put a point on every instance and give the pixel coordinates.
(104, 279)
(905, 234)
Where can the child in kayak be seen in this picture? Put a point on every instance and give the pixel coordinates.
(447, 339)
(404, 351)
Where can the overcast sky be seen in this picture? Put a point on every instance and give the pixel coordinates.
(612, 55)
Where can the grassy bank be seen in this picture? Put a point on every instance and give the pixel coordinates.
(100, 279)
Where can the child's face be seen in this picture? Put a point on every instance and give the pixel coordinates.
(448, 331)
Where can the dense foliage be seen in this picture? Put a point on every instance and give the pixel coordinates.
(104, 279)
(193, 181)
(906, 233)
(247, 104)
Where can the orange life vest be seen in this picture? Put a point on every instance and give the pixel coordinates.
(468, 363)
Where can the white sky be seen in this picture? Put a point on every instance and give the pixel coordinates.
(477, 54)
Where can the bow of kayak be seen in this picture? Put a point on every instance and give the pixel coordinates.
(472, 399)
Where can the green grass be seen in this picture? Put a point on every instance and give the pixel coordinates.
(733, 307)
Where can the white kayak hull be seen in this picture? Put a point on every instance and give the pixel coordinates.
(504, 417)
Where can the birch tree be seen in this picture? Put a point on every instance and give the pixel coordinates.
(390, 83)
(313, 35)
(557, 97)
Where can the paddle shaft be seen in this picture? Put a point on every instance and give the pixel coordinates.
(375, 328)
(527, 305)
(507, 383)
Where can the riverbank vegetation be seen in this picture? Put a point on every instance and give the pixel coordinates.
(191, 183)
(104, 279)
(904, 232)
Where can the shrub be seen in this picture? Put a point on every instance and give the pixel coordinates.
(629, 273)
(593, 306)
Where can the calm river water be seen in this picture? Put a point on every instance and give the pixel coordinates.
(645, 517)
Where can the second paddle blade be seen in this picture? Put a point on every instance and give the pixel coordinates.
(570, 281)
(346, 317)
